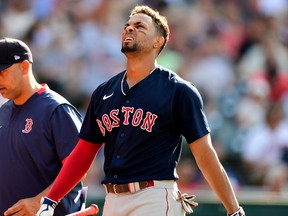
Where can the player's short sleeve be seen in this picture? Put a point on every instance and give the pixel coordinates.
(189, 113)
(66, 122)
(90, 130)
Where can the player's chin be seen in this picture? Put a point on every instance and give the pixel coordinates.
(127, 48)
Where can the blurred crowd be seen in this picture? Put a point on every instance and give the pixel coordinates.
(234, 51)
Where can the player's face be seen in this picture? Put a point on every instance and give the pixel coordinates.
(139, 34)
(10, 82)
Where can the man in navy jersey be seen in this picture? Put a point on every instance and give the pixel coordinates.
(38, 130)
(141, 115)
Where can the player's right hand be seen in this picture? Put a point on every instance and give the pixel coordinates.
(47, 207)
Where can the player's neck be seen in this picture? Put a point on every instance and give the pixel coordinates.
(138, 71)
(28, 89)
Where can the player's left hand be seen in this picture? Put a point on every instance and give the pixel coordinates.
(47, 207)
(27, 207)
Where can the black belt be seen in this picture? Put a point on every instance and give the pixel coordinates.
(128, 188)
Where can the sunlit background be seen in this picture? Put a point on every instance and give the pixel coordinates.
(234, 51)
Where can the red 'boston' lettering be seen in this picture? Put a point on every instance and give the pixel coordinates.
(116, 120)
(127, 111)
(137, 117)
(148, 121)
(108, 122)
(102, 129)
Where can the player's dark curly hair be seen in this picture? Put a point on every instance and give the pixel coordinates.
(160, 21)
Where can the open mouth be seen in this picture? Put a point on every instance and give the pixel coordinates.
(127, 39)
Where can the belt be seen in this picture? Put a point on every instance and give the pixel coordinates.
(127, 188)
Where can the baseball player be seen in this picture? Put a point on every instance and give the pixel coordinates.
(38, 130)
(141, 115)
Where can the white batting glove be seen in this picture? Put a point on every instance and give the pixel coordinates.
(239, 212)
(47, 207)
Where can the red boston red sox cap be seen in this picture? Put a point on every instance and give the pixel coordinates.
(13, 51)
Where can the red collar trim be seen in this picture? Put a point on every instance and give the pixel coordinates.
(43, 88)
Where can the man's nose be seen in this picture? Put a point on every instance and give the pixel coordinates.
(129, 29)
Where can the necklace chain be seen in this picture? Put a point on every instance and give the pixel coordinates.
(122, 84)
(122, 81)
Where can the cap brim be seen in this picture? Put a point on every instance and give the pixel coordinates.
(4, 66)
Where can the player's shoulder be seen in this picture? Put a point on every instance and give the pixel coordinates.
(171, 75)
(52, 101)
(176, 80)
(53, 98)
(182, 89)
(7, 106)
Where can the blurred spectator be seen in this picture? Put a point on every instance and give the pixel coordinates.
(266, 43)
(275, 79)
(12, 18)
(190, 177)
(263, 150)
(254, 100)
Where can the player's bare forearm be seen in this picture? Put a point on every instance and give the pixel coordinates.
(219, 182)
(28, 206)
(211, 168)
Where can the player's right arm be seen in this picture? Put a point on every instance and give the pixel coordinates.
(74, 168)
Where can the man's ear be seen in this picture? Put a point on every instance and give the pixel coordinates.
(25, 66)
(159, 42)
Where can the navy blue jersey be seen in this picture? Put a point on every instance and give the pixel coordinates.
(34, 139)
(142, 126)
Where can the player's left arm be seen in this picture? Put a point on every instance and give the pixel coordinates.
(214, 173)
(27, 206)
